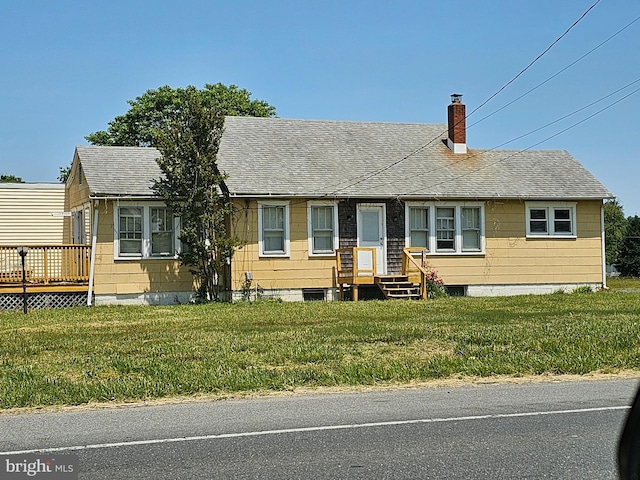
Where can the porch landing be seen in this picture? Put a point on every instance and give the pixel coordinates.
(393, 287)
(357, 266)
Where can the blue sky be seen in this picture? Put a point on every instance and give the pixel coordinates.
(69, 67)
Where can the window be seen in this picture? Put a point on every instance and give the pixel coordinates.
(458, 227)
(162, 231)
(551, 220)
(419, 226)
(562, 221)
(471, 229)
(538, 221)
(273, 229)
(445, 229)
(130, 222)
(144, 231)
(323, 228)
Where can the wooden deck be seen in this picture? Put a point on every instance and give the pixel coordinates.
(48, 268)
(357, 266)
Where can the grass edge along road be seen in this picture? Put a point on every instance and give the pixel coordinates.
(122, 354)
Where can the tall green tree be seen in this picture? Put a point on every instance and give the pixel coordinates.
(615, 225)
(628, 261)
(151, 111)
(194, 189)
(186, 125)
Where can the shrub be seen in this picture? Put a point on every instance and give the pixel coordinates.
(583, 289)
(435, 285)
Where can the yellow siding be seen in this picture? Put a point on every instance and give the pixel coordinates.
(25, 214)
(113, 277)
(77, 189)
(510, 257)
(120, 277)
(297, 271)
(77, 198)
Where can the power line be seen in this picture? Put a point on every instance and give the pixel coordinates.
(430, 172)
(534, 60)
(511, 155)
(358, 180)
(461, 160)
(368, 176)
(571, 114)
(557, 73)
(535, 144)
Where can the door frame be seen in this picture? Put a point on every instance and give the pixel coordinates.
(381, 255)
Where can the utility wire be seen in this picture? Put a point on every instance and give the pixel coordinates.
(358, 180)
(430, 172)
(535, 144)
(377, 172)
(570, 114)
(462, 160)
(557, 73)
(534, 60)
(511, 155)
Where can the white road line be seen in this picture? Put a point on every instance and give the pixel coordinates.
(309, 429)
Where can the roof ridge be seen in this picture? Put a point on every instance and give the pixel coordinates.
(334, 121)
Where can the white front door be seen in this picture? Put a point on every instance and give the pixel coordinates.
(372, 233)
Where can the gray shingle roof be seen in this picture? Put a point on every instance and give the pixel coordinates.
(314, 158)
(119, 171)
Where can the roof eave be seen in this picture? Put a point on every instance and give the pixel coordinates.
(117, 196)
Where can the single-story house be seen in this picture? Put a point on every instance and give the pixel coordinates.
(323, 206)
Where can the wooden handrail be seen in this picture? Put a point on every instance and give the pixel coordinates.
(340, 264)
(46, 264)
(349, 269)
(409, 261)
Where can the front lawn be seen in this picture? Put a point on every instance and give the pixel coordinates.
(623, 283)
(84, 355)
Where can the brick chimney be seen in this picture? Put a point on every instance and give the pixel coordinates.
(457, 140)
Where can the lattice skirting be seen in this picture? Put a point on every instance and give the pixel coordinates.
(13, 301)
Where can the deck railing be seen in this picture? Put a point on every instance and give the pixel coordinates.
(413, 268)
(356, 265)
(45, 264)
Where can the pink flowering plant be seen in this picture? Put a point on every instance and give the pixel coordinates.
(435, 285)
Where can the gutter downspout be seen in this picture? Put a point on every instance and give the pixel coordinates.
(604, 253)
(94, 241)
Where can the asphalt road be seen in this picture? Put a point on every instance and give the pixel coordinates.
(481, 431)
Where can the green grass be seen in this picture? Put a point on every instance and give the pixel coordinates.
(622, 283)
(84, 355)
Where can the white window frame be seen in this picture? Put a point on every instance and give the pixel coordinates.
(550, 208)
(287, 246)
(172, 230)
(428, 230)
(310, 243)
(479, 230)
(455, 230)
(146, 232)
(139, 215)
(432, 240)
